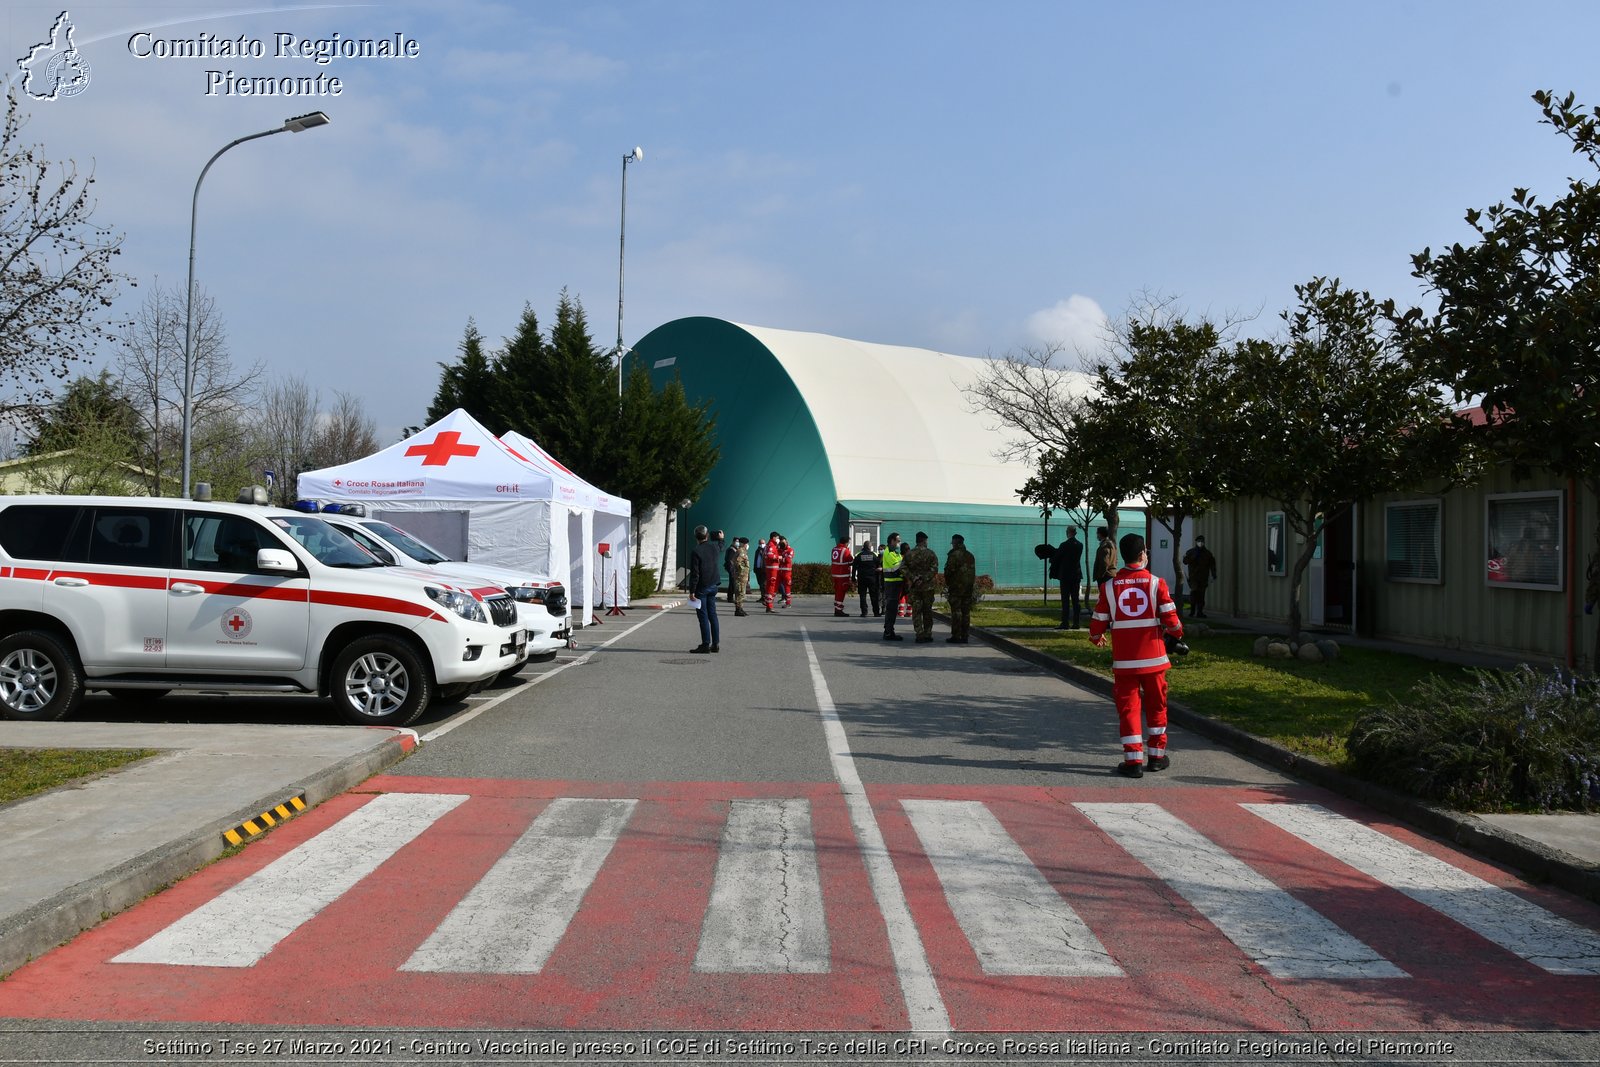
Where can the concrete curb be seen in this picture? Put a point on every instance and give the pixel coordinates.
(1536, 861)
(42, 927)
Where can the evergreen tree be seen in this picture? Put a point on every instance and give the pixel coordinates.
(576, 408)
(519, 373)
(468, 383)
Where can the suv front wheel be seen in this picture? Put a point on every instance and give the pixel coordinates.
(381, 681)
(39, 678)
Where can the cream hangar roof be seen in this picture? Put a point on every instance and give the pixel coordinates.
(895, 421)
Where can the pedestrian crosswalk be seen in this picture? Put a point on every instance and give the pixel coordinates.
(766, 910)
(560, 905)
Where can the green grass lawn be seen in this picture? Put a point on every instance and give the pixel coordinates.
(1306, 707)
(27, 771)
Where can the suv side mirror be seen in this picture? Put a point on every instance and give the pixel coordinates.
(276, 559)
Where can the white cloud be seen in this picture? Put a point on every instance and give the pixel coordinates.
(1077, 324)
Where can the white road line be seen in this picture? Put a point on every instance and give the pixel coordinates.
(924, 1005)
(1015, 920)
(240, 926)
(1275, 929)
(766, 914)
(1542, 938)
(516, 915)
(500, 698)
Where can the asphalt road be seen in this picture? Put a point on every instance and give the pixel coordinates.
(926, 802)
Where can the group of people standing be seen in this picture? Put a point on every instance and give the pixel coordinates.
(1134, 608)
(883, 579)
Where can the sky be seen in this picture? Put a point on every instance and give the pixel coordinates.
(972, 178)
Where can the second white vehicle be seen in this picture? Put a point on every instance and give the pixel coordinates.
(542, 607)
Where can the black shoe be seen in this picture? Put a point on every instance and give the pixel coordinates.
(740, 613)
(893, 637)
(716, 648)
(700, 650)
(924, 639)
(877, 614)
(1159, 763)
(863, 614)
(952, 640)
(1130, 770)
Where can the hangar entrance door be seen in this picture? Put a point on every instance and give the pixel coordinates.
(864, 531)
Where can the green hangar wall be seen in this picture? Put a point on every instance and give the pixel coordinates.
(819, 433)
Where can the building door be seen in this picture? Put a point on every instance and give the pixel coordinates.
(1339, 570)
(1331, 576)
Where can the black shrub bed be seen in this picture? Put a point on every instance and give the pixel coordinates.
(1515, 740)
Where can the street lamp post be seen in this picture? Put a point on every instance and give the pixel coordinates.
(622, 239)
(294, 125)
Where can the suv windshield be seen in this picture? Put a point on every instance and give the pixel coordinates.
(417, 550)
(327, 544)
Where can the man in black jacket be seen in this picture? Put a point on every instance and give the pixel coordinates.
(703, 563)
(869, 577)
(1066, 567)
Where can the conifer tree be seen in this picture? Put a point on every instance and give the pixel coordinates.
(468, 383)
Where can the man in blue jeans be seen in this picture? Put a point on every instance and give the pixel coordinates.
(703, 564)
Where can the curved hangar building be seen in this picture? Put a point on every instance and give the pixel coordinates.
(822, 436)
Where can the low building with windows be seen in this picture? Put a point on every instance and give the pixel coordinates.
(1498, 567)
(823, 437)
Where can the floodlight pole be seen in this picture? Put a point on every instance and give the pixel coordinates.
(622, 240)
(295, 125)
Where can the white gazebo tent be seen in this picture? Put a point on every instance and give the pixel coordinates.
(463, 490)
(605, 518)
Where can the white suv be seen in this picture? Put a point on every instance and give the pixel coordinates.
(541, 602)
(140, 596)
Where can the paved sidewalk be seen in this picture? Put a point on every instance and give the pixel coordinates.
(73, 856)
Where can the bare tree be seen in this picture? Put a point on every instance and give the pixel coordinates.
(150, 364)
(286, 425)
(56, 281)
(345, 432)
(1035, 398)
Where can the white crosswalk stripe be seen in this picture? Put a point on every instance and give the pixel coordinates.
(1275, 929)
(1012, 916)
(240, 926)
(766, 911)
(514, 917)
(1538, 936)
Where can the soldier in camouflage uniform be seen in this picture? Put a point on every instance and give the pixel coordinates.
(960, 580)
(921, 568)
(739, 576)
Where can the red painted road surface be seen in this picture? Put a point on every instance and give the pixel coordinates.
(627, 959)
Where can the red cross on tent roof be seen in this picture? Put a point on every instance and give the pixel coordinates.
(442, 449)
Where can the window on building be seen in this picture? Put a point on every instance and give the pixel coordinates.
(1411, 540)
(1522, 532)
(1277, 547)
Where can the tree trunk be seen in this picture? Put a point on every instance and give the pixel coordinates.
(1300, 564)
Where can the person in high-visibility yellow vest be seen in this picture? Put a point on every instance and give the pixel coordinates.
(894, 586)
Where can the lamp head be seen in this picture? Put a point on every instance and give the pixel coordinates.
(636, 155)
(306, 122)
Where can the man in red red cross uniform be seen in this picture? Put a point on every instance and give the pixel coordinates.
(1137, 608)
(786, 570)
(839, 571)
(769, 554)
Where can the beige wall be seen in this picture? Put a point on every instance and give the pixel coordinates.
(1462, 611)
